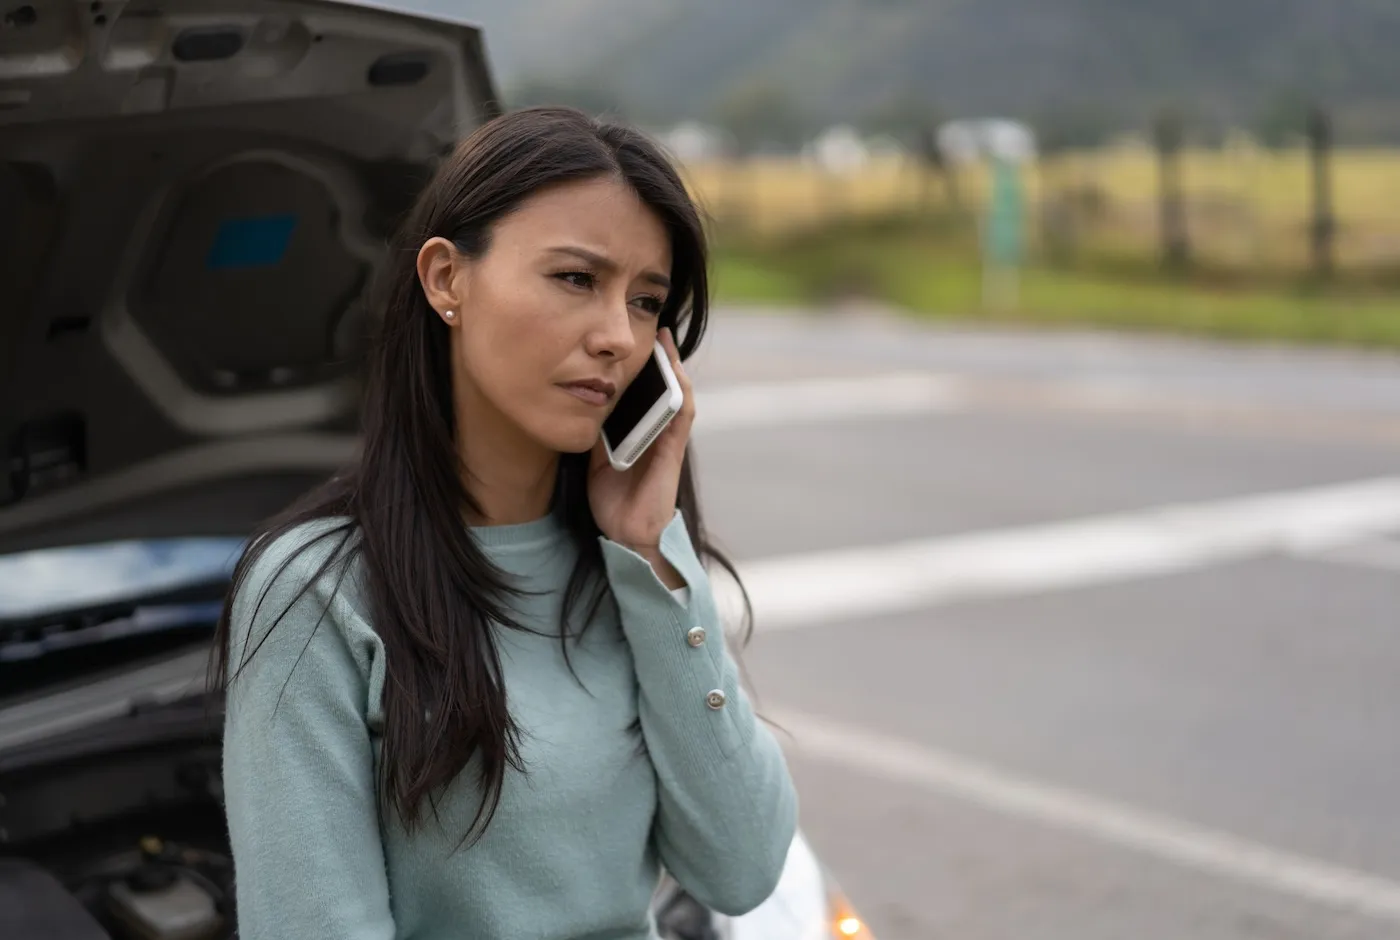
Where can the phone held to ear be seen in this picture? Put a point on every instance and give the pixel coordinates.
(642, 411)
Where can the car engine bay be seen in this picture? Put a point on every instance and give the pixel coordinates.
(157, 890)
(117, 832)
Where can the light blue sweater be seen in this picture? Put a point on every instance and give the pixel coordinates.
(578, 842)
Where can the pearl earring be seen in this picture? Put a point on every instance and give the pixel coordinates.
(450, 315)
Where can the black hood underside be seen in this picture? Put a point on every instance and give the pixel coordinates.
(194, 199)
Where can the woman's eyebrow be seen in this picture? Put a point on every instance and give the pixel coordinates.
(607, 264)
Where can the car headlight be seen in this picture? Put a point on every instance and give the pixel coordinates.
(806, 905)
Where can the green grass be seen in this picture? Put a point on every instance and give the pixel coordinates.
(923, 269)
(752, 281)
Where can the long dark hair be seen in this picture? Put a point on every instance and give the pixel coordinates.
(435, 599)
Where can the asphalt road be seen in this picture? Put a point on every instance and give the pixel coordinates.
(1202, 743)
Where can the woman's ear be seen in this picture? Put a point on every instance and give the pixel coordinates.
(439, 267)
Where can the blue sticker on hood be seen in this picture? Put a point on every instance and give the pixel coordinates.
(252, 242)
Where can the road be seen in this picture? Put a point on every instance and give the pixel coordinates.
(1073, 635)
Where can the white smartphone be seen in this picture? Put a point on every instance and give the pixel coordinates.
(642, 411)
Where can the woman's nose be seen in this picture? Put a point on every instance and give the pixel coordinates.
(612, 337)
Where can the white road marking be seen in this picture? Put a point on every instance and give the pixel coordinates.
(862, 583)
(1161, 837)
(763, 404)
(1339, 522)
(731, 406)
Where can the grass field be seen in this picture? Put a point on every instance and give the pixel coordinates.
(787, 233)
(1247, 207)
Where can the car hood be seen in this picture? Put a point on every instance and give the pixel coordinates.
(194, 198)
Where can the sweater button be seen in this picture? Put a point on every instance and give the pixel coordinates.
(696, 636)
(715, 699)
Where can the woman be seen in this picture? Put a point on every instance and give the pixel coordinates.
(477, 686)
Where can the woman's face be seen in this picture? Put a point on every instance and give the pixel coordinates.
(557, 317)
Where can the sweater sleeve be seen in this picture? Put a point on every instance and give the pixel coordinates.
(727, 809)
(298, 766)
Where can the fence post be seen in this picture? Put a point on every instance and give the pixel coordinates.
(1169, 134)
(1324, 224)
(926, 162)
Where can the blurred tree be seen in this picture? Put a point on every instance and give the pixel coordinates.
(761, 115)
(1068, 199)
(1075, 127)
(905, 116)
(1283, 119)
(1169, 134)
(1016, 57)
(1324, 223)
(1058, 131)
(592, 99)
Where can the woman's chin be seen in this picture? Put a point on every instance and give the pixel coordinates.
(578, 440)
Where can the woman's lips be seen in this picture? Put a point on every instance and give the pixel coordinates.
(587, 393)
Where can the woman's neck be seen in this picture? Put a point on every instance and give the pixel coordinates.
(510, 477)
(508, 496)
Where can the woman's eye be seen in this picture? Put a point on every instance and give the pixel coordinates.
(580, 279)
(586, 280)
(652, 305)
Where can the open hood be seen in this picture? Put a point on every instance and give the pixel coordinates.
(194, 197)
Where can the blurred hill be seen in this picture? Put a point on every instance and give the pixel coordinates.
(1090, 66)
